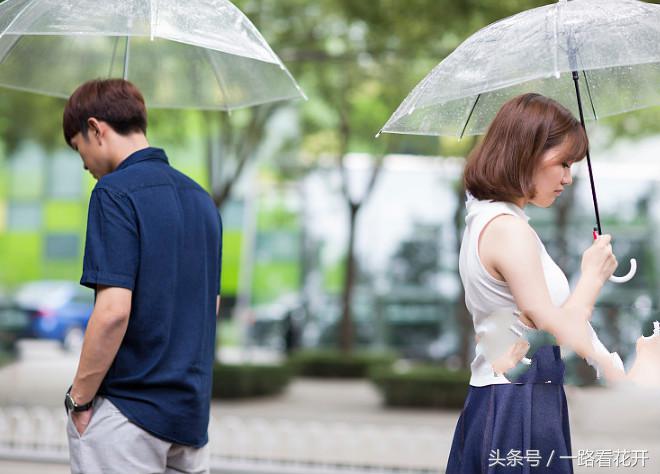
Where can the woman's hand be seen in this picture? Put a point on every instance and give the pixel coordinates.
(511, 358)
(598, 261)
(645, 372)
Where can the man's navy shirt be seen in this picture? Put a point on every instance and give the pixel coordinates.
(154, 231)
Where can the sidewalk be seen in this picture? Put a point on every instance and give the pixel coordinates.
(342, 421)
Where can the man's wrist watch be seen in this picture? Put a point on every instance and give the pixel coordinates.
(71, 405)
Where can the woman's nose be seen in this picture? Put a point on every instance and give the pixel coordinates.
(567, 178)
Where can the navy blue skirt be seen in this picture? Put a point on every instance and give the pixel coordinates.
(516, 428)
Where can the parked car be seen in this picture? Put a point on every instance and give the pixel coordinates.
(12, 322)
(50, 309)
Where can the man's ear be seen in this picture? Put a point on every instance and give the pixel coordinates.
(95, 129)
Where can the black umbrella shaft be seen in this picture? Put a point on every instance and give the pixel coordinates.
(576, 78)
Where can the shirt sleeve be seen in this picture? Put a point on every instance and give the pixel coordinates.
(112, 243)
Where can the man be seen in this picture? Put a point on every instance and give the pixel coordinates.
(140, 399)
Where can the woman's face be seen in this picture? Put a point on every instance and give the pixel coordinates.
(552, 176)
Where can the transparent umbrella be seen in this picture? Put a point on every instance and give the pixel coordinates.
(596, 57)
(202, 54)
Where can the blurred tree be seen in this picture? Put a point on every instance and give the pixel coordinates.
(233, 139)
(356, 61)
(30, 117)
(416, 260)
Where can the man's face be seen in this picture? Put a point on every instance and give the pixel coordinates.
(91, 152)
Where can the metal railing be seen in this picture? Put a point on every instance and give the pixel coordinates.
(254, 445)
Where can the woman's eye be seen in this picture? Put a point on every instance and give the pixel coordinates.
(565, 164)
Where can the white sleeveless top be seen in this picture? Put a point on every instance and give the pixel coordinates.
(485, 294)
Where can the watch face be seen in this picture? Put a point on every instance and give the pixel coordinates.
(69, 403)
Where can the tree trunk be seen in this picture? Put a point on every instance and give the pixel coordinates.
(347, 330)
(462, 315)
(236, 145)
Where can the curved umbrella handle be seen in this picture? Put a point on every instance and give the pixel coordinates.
(628, 276)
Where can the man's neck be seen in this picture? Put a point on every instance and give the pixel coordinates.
(127, 146)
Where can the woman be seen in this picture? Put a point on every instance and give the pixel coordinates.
(525, 158)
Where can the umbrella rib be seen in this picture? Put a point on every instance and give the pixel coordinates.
(18, 15)
(10, 48)
(469, 116)
(126, 57)
(154, 17)
(586, 82)
(114, 56)
(218, 77)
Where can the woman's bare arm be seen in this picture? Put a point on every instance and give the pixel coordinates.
(508, 247)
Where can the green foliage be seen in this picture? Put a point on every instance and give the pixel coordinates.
(277, 218)
(247, 380)
(185, 154)
(272, 279)
(232, 242)
(422, 386)
(635, 124)
(30, 117)
(20, 257)
(169, 128)
(64, 215)
(333, 276)
(336, 364)
(228, 333)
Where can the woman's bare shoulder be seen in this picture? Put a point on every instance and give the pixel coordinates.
(507, 227)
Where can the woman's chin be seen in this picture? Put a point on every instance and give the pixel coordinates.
(545, 203)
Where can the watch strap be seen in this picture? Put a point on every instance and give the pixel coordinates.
(71, 404)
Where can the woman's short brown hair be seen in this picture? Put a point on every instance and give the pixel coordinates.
(502, 166)
(115, 101)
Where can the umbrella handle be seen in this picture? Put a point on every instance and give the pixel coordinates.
(628, 276)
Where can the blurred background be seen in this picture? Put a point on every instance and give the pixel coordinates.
(342, 313)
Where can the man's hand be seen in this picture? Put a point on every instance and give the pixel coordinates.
(81, 420)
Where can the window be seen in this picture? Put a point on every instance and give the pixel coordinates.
(26, 176)
(62, 246)
(232, 214)
(65, 177)
(24, 216)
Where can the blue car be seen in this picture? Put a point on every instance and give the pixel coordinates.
(56, 310)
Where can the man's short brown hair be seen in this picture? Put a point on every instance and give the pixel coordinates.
(114, 101)
(502, 166)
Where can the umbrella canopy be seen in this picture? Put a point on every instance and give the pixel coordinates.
(202, 54)
(613, 44)
(608, 48)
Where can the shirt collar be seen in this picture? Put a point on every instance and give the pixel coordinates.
(474, 205)
(149, 153)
